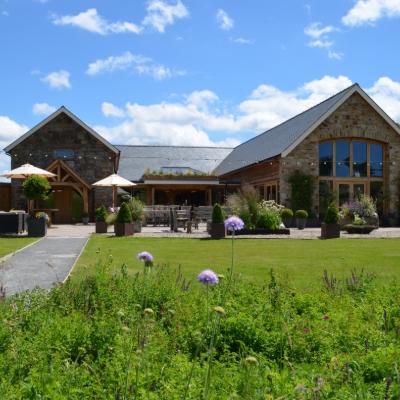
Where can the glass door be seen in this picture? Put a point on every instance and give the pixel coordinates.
(344, 193)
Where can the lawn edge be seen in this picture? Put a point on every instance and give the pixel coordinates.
(17, 251)
(77, 258)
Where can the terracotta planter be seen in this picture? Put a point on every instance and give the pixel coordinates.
(101, 227)
(330, 231)
(217, 230)
(122, 229)
(37, 227)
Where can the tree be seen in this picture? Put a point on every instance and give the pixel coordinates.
(36, 187)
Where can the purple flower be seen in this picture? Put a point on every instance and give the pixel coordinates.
(145, 256)
(234, 223)
(208, 276)
(306, 330)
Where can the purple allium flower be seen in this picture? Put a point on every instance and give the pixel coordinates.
(145, 256)
(208, 276)
(234, 223)
(306, 330)
(326, 317)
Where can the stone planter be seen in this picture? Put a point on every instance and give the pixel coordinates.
(345, 221)
(260, 231)
(330, 231)
(123, 229)
(101, 227)
(359, 229)
(217, 230)
(287, 222)
(85, 220)
(374, 221)
(137, 226)
(301, 223)
(37, 227)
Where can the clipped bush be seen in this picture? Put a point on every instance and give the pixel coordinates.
(332, 214)
(101, 214)
(85, 214)
(36, 187)
(301, 214)
(124, 215)
(217, 214)
(287, 213)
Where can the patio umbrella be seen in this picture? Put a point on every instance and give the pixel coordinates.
(27, 170)
(115, 181)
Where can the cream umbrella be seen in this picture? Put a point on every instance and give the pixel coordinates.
(27, 170)
(115, 181)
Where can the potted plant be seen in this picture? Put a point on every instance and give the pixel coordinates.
(123, 224)
(286, 216)
(301, 218)
(330, 228)
(85, 218)
(136, 208)
(101, 220)
(217, 226)
(36, 188)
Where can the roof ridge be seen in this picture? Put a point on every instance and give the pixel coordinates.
(297, 115)
(183, 147)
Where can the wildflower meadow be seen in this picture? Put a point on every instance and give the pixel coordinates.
(157, 335)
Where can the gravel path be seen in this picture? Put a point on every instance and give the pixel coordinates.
(41, 264)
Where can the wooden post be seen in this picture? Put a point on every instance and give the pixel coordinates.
(85, 200)
(115, 196)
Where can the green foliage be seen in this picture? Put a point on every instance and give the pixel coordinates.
(85, 214)
(301, 214)
(101, 214)
(126, 198)
(136, 208)
(124, 215)
(332, 214)
(302, 190)
(91, 339)
(245, 204)
(217, 214)
(287, 213)
(35, 187)
(268, 220)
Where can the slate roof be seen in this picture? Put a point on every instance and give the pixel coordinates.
(135, 159)
(276, 140)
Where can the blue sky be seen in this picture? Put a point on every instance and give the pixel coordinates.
(190, 72)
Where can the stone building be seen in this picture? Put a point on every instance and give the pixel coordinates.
(347, 143)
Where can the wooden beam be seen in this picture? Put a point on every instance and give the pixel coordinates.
(115, 196)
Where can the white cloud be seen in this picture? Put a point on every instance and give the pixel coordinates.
(9, 131)
(386, 94)
(93, 22)
(202, 113)
(43, 109)
(319, 43)
(161, 14)
(225, 22)
(368, 11)
(35, 72)
(112, 63)
(109, 110)
(243, 41)
(337, 56)
(58, 80)
(137, 62)
(5, 13)
(315, 32)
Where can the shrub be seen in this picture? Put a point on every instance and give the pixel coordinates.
(301, 214)
(287, 213)
(302, 190)
(269, 220)
(332, 214)
(136, 208)
(85, 214)
(36, 187)
(244, 204)
(217, 214)
(111, 218)
(365, 206)
(101, 214)
(124, 216)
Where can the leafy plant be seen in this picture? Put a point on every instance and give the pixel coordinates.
(136, 208)
(85, 214)
(302, 190)
(332, 214)
(217, 214)
(287, 213)
(269, 220)
(36, 187)
(124, 215)
(101, 214)
(301, 214)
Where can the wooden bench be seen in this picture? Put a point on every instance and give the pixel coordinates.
(204, 213)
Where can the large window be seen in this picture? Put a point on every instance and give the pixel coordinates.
(351, 158)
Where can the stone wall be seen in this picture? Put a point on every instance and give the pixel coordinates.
(353, 119)
(92, 160)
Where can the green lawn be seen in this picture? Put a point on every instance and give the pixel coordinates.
(303, 260)
(11, 244)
